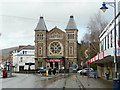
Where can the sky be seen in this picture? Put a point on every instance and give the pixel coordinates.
(18, 18)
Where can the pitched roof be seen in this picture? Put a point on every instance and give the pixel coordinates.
(29, 47)
(71, 24)
(41, 24)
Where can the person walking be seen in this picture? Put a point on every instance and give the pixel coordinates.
(49, 71)
(107, 74)
(54, 71)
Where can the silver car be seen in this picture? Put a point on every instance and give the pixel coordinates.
(85, 71)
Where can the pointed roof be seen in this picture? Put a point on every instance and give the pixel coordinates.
(71, 24)
(41, 24)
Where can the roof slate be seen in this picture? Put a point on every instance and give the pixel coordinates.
(41, 24)
(71, 24)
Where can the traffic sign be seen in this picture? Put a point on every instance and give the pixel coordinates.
(75, 66)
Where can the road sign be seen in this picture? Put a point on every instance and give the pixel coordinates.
(75, 66)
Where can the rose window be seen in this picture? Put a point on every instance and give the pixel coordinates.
(55, 48)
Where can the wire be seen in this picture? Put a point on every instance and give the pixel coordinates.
(18, 17)
(32, 18)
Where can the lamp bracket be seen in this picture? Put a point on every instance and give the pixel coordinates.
(110, 3)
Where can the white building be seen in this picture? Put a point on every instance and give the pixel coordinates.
(23, 57)
(105, 59)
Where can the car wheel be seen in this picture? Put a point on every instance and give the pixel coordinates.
(80, 73)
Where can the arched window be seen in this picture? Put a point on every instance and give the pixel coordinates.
(71, 36)
(40, 50)
(71, 50)
(55, 48)
(40, 37)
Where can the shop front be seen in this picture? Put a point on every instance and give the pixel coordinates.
(54, 63)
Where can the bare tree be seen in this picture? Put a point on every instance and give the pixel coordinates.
(95, 26)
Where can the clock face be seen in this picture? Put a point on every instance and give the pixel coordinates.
(55, 48)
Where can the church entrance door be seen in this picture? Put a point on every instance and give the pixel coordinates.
(56, 65)
(51, 64)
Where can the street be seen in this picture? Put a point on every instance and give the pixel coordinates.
(37, 81)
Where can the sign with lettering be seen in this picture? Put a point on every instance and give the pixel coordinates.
(53, 60)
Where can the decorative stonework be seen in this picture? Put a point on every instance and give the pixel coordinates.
(55, 48)
(55, 44)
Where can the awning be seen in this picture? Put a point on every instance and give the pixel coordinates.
(53, 60)
(30, 63)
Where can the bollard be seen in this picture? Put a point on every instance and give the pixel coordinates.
(46, 72)
(4, 74)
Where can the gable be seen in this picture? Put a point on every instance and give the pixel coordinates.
(56, 33)
(56, 30)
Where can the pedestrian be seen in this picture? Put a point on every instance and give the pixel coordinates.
(107, 74)
(49, 71)
(54, 71)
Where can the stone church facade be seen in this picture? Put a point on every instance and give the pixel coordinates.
(56, 48)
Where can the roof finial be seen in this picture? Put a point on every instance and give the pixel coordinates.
(71, 16)
(41, 17)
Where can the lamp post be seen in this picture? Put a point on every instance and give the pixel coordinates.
(115, 46)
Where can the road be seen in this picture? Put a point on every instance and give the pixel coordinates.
(37, 81)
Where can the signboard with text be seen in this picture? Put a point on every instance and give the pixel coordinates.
(53, 60)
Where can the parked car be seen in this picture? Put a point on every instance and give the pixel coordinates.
(42, 71)
(85, 71)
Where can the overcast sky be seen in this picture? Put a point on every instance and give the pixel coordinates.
(18, 18)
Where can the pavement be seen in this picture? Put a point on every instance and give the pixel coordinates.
(86, 82)
(72, 80)
(95, 82)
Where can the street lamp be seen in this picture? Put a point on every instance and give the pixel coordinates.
(115, 54)
(104, 8)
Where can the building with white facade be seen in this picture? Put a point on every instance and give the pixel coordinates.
(105, 59)
(23, 58)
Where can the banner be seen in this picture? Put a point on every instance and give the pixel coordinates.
(53, 60)
(89, 60)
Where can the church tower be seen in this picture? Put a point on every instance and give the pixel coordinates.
(40, 43)
(56, 48)
(71, 42)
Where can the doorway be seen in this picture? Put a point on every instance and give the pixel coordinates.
(56, 65)
(51, 64)
(21, 68)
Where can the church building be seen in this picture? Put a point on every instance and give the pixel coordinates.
(55, 48)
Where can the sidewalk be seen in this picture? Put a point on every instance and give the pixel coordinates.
(95, 82)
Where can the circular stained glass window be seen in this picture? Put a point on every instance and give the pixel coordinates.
(55, 47)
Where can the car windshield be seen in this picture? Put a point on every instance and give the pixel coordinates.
(88, 69)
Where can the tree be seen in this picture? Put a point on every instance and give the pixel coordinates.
(95, 26)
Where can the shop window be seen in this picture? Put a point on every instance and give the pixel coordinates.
(105, 43)
(102, 45)
(108, 41)
(21, 59)
(111, 39)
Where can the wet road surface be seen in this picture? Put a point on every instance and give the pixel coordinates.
(37, 81)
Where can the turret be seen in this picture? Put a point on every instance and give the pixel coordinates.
(41, 24)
